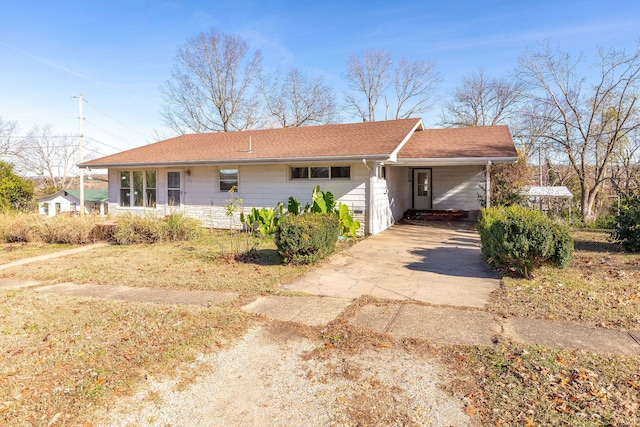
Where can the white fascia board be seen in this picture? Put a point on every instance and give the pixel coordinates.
(459, 161)
(394, 154)
(263, 161)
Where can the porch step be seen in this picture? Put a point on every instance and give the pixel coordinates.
(436, 215)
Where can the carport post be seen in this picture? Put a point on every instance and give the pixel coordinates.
(488, 186)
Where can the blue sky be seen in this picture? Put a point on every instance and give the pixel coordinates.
(118, 53)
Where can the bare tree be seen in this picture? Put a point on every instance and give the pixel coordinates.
(50, 157)
(625, 165)
(483, 101)
(297, 100)
(368, 78)
(8, 142)
(371, 76)
(213, 86)
(415, 84)
(587, 122)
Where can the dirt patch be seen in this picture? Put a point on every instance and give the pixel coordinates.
(268, 378)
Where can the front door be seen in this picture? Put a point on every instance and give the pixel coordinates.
(422, 188)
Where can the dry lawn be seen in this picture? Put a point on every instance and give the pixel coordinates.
(600, 287)
(198, 264)
(10, 252)
(60, 358)
(515, 385)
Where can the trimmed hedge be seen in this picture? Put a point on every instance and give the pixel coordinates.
(520, 239)
(307, 238)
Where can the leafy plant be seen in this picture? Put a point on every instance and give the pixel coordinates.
(348, 226)
(293, 206)
(264, 219)
(322, 202)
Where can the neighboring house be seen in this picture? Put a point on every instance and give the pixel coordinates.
(95, 201)
(379, 169)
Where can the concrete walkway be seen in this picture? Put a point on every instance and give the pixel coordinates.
(51, 255)
(459, 322)
(435, 265)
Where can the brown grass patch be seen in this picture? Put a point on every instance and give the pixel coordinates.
(10, 252)
(197, 264)
(600, 287)
(60, 357)
(511, 385)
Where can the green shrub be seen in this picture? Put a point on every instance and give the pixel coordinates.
(307, 238)
(323, 202)
(627, 229)
(521, 239)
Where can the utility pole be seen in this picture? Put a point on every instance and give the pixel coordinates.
(81, 119)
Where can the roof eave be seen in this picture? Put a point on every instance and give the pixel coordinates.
(453, 161)
(258, 161)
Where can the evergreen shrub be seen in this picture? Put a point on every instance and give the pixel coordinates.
(307, 238)
(520, 239)
(627, 228)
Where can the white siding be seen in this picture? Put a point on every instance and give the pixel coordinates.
(457, 187)
(258, 186)
(400, 196)
(65, 205)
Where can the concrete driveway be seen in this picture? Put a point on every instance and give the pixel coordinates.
(434, 264)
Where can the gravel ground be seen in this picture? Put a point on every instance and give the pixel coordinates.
(269, 378)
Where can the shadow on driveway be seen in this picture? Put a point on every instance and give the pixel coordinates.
(437, 265)
(452, 261)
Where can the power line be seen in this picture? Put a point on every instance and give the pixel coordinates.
(116, 120)
(103, 143)
(37, 136)
(109, 133)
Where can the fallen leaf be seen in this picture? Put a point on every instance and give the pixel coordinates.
(471, 410)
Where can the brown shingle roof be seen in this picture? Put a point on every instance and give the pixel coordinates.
(477, 141)
(341, 140)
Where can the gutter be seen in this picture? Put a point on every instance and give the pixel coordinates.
(213, 162)
(454, 161)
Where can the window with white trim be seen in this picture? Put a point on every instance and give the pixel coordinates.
(174, 188)
(137, 188)
(320, 172)
(228, 179)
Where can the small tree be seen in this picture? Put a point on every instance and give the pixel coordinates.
(16, 193)
(507, 182)
(627, 230)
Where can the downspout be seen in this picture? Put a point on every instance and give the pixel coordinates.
(371, 195)
(488, 186)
